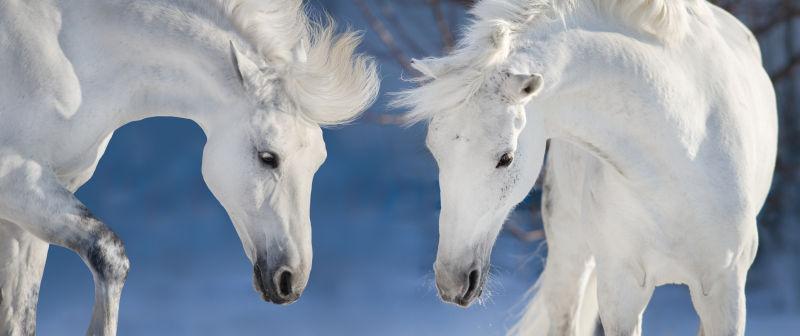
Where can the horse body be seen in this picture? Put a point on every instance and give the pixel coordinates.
(250, 73)
(663, 186)
(704, 142)
(663, 140)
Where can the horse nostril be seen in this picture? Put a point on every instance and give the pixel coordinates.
(285, 284)
(472, 279)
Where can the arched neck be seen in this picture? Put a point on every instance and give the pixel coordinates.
(173, 66)
(599, 103)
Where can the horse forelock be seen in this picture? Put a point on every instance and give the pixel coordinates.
(274, 28)
(329, 82)
(450, 82)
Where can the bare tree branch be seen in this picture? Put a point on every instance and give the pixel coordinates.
(465, 3)
(522, 234)
(778, 20)
(385, 36)
(787, 70)
(386, 119)
(391, 16)
(441, 23)
(454, 13)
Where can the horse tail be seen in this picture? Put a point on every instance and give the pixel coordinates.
(536, 321)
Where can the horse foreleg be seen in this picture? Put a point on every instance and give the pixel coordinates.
(566, 301)
(719, 298)
(22, 260)
(623, 292)
(562, 288)
(560, 303)
(567, 275)
(32, 197)
(722, 308)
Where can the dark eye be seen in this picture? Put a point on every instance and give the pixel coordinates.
(269, 159)
(505, 160)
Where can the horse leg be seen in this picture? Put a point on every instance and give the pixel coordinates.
(565, 278)
(556, 309)
(622, 293)
(719, 298)
(561, 306)
(22, 260)
(564, 283)
(722, 308)
(32, 197)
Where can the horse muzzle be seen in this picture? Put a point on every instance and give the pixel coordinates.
(278, 283)
(460, 285)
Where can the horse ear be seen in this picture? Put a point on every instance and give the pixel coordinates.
(522, 87)
(245, 68)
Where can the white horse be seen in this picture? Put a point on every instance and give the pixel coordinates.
(662, 125)
(257, 76)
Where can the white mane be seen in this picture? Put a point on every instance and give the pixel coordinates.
(330, 83)
(274, 28)
(450, 81)
(323, 75)
(665, 19)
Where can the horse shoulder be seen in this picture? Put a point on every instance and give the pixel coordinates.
(746, 98)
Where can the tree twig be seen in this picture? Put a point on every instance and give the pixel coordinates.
(522, 234)
(385, 36)
(784, 72)
(391, 16)
(782, 18)
(441, 23)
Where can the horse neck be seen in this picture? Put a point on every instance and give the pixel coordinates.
(604, 107)
(172, 68)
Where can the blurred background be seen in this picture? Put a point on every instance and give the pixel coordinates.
(374, 215)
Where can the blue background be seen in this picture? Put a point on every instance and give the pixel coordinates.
(374, 218)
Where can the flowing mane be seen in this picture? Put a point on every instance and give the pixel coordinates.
(319, 68)
(330, 83)
(489, 39)
(665, 19)
(274, 28)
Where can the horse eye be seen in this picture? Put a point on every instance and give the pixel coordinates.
(269, 159)
(505, 160)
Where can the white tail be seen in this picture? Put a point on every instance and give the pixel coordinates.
(535, 318)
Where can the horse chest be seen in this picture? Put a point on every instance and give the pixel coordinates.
(75, 170)
(671, 232)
